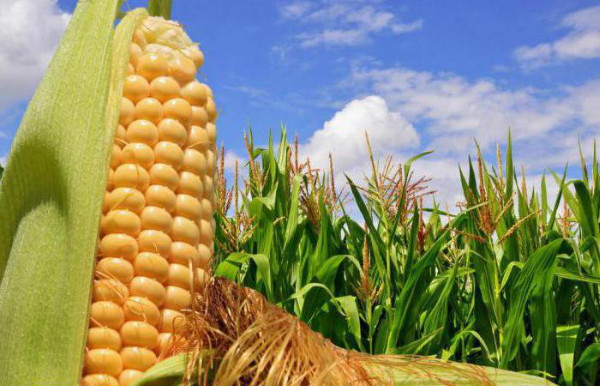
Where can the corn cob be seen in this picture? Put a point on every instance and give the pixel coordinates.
(156, 232)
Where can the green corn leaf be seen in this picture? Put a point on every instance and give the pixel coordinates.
(51, 196)
(566, 339)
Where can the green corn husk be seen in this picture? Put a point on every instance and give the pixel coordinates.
(51, 196)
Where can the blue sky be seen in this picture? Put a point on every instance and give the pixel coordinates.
(416, 75)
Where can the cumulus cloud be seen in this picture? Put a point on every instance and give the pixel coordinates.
(581, 42)
(344, 135)
(453, 110)
(29, 35)
(344, 22)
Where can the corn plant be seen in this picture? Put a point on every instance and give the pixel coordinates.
(511, 280)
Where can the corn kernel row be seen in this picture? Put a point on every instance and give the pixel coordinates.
(156, 232)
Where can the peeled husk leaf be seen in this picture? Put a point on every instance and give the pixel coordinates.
(51, 196)
(234, 336)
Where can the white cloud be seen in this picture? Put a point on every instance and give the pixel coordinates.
(344, 135)
(3, 160)
(410, 111)
(30, 32)
(453, 111)
(344, 22)
(581, 42)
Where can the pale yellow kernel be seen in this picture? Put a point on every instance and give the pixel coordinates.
(190, 183)
(141, 309)
(162, 174)
(171, 130)
(205, 256)
(138, 358)
(120, 135)
(171, 320)
(188, 206)
(139, 334)
(127, 112)
(149, 288)
(209, 187)
(165, 343)
(199, 116)
(115, 156)
(103, 337)
(198, 138)
(211, 129)
(182, 253)
(178, 109)
(110, 290)
(168, 153)
(157, 219)
(211, 110)
(139, 38)
(151, 265)
(135, 52)
(194, 161)
(196, 93)
(178, 298)
(121, 221)
(164, 88)
(207, 208)
(154, 241)
(149, 109)
(131, 176)
(211, 162)
(99, 380)
(185, 230)
(136, 88)
(115, 268)
(106, 314)
(162, 197)
(124, 198)
(140, 132)
(182, 68)
(180, 276)
(103, 361)
(138, 153)
(206, 232)
(118, 245)
(129, 376)
(195, 54)
(152, 65)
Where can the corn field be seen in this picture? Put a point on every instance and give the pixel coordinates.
(512, 280)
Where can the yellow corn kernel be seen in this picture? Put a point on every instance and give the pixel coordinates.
(129, 376)
(163, 174)
(139, 334)
(124, 198)
(162, 197)
(141, 309)
(151, 265)
(111, 290)
(104, 361)
(138, 358)
(127, 112)
(169, 153)
(178, 109)
(152, 65)
(164, 88)
(154, 241)
(136, 88)
(131, 176)
(149, 109)
(178, 298)
(182, 253)
(196, 93)
(156, 218)
(149, 288)
(115, 268)
(171, 130)
(103, 337)
(106, 314)
(99, 380)
(118, 245)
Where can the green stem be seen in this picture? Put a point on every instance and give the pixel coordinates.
(160, 8)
